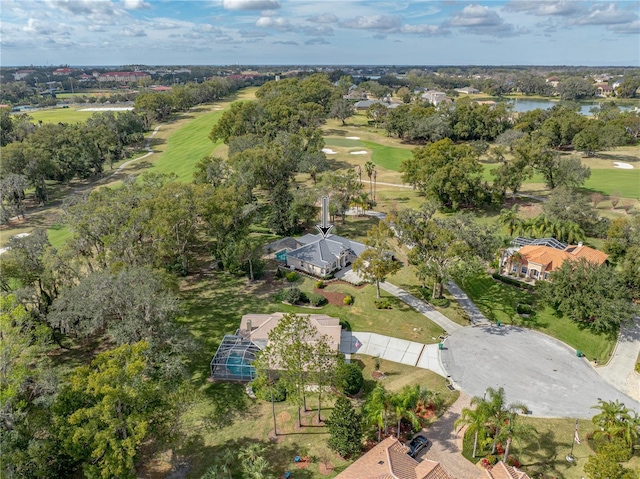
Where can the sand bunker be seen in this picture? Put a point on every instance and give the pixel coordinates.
(624, 166)
(359, 152)
(110, 108)
(352, 137)
(329, 151)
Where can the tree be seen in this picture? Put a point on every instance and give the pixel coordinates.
(370, 167)
(567, 205)
(404, 404)
(376, 262)
(212, 170)
(509, 219)
(341, 109)
(107, 409)
(576, 88)
(292, 345)
(601, 466)
(342, 187)
(589, 294)
(446, 172)
(376, 408)
(475, 420)
(616, 421)
(510, 175)
(348, 378)
(345, 429)
(597, 136)
(377, 112)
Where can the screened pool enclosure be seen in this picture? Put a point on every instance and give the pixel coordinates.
(232, 361)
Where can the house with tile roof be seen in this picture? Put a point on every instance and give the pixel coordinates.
(389, 460)
(321, 256)
(539, 261)
(503, 471)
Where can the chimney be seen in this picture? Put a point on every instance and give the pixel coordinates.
(579, 244)
(249, 326)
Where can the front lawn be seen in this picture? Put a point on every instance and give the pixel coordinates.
(498, 302)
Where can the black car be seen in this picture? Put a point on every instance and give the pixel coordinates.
(416, 445)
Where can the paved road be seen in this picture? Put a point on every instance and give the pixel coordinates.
(619, 370)
(411, 353)
(475, 316)
(533, 368)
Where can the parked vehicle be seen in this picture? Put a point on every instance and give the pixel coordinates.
(416, 445)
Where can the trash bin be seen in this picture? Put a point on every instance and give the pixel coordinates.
(498, 323)
(440, 346)
(579, 353)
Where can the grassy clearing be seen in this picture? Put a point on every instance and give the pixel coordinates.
(625, 183)
(498, 302)
(62, 115)
(387, 156)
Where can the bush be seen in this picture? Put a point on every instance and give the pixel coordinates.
(349, 379)
(292, 276)
(348, 300)
(441, 302)
(512, 282)
(262, 389)
(346, 325)
(382, 303)
(524, 308)
(319, 284)
(316, 299)
(292, 295)
(279, 273)
(637, 365)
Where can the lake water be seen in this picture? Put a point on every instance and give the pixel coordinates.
(528, 105)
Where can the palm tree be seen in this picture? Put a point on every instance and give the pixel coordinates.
(363, 199)
(475, 420)
(509, 219)
(369, 166)
(405, 403)
(512, 429)
(616, 420)
(376, 408)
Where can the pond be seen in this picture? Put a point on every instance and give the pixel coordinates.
(520, 105)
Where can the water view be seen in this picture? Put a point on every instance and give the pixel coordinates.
(528, 105)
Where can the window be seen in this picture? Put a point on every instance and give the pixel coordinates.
(514, 269)
(523, 270)
(546, 276)
(535, 273)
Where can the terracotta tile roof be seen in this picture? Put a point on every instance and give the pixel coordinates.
(389, 460)
(502, 471)
(551, 258)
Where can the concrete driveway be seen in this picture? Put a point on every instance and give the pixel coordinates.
(533, 368)
(425, 356)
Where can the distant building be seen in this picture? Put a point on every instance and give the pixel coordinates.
(434, 97)
(468, 90)
(123, 77)
(604, 90)
(20, 74)
(62, 71)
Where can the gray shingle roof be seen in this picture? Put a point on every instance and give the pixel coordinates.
(324, 251)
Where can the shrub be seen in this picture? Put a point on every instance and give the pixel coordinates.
(262, 389)
(347, 326)
(278, 273)
(319, 284)
(292, 276)
(349, 379)
(382, 303)
(524, 308)
(316, 299)
(441, 302)
(292, 295)
(512, 281)
(637, 365)
(348, 300)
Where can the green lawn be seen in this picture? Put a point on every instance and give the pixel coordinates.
(187, 146)
(498, 301)
(64, 115)
(387, 156)
(58, 234)
(343, 142)
(626, 183)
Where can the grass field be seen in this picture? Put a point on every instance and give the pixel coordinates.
(62, 115)
(187, 146)
(498, 302)
(387, 156)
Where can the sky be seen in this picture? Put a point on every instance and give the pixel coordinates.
(319, 32)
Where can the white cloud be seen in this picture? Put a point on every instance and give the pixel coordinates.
(133, 32)
(316, 41)
(135, 4)
(373, 22)
(626, 28)
(481, 20)
(546, 7)
(317, 30)
(250, 4)
(606, 16)
(277, 23)
(424, 29)
(323, 18)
